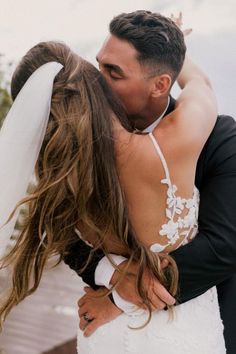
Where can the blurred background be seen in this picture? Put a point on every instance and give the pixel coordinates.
(48, 319)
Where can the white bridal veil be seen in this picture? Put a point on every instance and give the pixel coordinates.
(21, 138)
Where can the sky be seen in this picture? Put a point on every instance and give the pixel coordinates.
(83, 24)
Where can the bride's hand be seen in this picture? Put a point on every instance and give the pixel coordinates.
(179, 22)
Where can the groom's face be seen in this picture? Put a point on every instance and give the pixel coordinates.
(117, 60)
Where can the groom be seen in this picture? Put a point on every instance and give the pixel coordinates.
(210, 259)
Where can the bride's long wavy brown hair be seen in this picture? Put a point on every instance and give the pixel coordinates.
(76, 176)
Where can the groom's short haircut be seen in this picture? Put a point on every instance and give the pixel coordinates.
(157, 39)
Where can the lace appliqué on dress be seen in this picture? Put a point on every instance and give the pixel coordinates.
(183, 226)
(176, 227)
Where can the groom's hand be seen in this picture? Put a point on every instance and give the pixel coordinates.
(158, 295)
(95, 310)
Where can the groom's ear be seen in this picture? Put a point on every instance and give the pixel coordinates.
(161, 85)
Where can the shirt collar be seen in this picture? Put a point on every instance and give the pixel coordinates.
(151, 127)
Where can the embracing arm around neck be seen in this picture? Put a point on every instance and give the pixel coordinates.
(194, 117)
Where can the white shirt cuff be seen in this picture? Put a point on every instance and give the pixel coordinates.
(124, 305)
(105, 270)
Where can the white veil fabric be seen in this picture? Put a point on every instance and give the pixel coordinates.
(21, 138)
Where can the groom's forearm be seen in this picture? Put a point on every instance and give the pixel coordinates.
(207, 261)
(200, 268)
(76, 257)
(211, 257)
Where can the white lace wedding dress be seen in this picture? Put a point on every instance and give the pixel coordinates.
(196, 327)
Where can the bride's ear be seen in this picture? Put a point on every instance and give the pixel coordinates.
(161, 85)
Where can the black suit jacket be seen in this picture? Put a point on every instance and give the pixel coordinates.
(210, 259)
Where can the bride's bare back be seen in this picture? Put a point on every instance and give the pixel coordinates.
(160, 194)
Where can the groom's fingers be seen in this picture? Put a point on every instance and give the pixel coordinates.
(163, 294)
(164, 263)
(156, 303)
(157, 293)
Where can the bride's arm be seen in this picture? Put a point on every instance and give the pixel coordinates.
(191, 123)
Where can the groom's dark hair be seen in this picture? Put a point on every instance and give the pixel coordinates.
(157, 39)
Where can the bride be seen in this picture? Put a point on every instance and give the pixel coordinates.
(130, 194)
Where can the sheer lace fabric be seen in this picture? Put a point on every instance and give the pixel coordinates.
(181, 213)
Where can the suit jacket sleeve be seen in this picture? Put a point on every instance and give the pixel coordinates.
(77, 256)
(211, 257)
